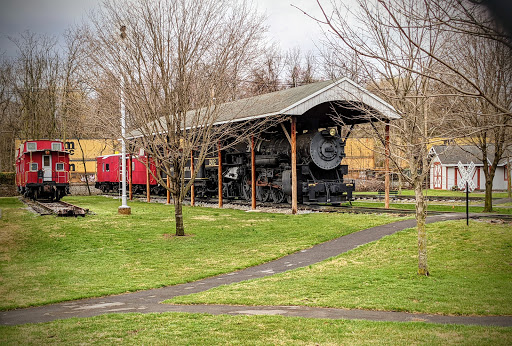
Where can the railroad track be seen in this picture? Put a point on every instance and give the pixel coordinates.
(329, 208)
(59, 208)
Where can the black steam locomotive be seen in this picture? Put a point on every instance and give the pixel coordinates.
(320, 175)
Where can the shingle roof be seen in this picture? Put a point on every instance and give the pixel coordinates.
(450, 155)
(296, 101)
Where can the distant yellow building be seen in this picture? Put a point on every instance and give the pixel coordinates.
(360, 155)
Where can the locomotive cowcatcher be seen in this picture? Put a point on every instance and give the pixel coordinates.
(42, 169)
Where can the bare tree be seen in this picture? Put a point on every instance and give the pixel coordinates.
(36, 84)
(266, 75)
(398, 71)
(9, 116)
(479, 122)
(173, 65)
(299, 67)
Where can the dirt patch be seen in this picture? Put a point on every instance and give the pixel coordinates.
(204, 218)
(171, 236)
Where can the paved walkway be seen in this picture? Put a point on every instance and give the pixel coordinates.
(149, 301)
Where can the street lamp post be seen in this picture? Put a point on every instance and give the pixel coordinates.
(124, 208)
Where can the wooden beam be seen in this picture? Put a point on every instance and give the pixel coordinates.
(294, 164)
(168, 192)
(386, 167)
(192, 190)
(253, 175)
(220, 174)
(148, 198)
(286, 133)
(130, 177)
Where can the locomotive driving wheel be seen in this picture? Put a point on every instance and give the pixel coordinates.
(277, 195)
(262, 192)
(246, 188)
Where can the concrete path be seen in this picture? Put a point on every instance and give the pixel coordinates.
(497, 203)
(149, 301)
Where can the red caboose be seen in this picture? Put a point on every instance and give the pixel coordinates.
(42, 169)
(108, 173)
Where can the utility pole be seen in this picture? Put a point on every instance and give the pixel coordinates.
(124, 208)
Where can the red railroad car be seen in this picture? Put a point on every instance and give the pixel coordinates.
(42, 169)
(108, 174)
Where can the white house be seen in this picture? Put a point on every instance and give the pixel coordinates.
(444, 173)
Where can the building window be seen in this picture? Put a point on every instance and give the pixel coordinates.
(31, 146)
(56, 147)
(33, 167)
(59, 167)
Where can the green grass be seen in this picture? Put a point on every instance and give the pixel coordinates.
(201, 329)
(471, 273)
(447, 193)
(457, 207)
(49, 259)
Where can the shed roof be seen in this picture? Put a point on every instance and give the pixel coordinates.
(450, 155)
(298, 100)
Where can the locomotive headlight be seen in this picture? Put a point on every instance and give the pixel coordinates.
(332, 132)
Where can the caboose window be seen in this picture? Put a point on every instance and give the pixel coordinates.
(107, 167)
(33, 167)
(56, 147)
(31, 146)
(59, 167)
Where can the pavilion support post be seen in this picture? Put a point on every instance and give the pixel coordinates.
(130, 178)
(220, 174)
(294, 164)
(192, 190)
(148, 190)
(386, 167)
(253, 175)
(168, 192)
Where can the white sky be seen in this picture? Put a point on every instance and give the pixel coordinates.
(287, 26)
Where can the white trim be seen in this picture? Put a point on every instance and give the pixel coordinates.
(34, 143)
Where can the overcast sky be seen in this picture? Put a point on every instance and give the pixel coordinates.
(288, 26)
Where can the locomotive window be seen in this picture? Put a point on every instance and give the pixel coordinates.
(56, 146)
(59, 167)
(31, 146)
(33, 166)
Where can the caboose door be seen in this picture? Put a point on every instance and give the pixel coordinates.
(47, 168)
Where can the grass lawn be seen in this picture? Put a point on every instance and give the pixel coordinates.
(471, 273)
(456, 207)
(49, 259)
(447, 193)
(200, 329)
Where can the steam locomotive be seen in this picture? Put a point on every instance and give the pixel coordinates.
(320, 175)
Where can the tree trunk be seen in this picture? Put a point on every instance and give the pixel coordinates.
(178, 215)
(509, 181)
(421, 215)
(488, 193)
